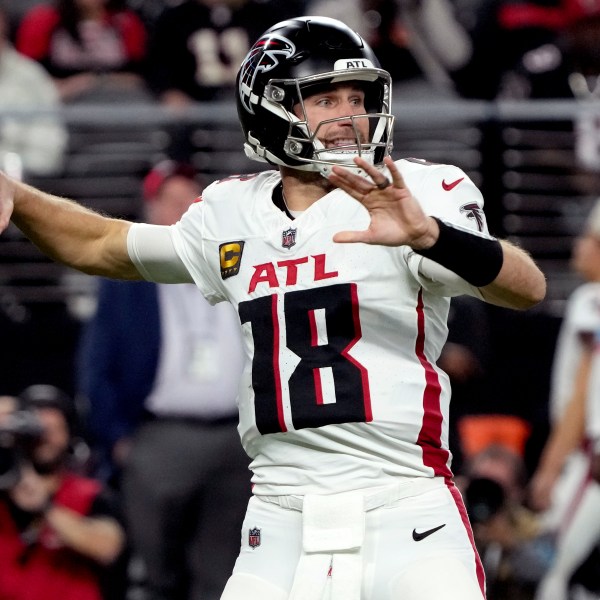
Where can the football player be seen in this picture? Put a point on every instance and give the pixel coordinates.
(341, 264)
(562, 487)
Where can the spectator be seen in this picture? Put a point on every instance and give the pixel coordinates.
(549, 50)
(58, 530)
(417, 42)
(195, 51)
(198, 45)
(39, 141)
(166, 414)
(565, 46)
(502, 464)
(561, 486)
(506, 536)
(514, 552)
(581, 42)
(516, 27)
(8, 405)
(90, 47)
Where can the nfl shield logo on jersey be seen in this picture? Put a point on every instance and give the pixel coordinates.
(254, 537)
(288, 238)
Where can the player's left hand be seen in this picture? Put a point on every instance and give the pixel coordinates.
(540, 489)
(396, 217)
(7, 193)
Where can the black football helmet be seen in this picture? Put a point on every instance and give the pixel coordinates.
(289, 62)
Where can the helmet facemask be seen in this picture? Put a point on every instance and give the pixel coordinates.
(286, 97)
(371, 148)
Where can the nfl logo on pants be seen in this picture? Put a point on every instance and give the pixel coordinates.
(254, 537)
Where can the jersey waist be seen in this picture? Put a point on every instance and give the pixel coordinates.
(373, 497)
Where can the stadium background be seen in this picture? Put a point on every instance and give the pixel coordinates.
(521, 155)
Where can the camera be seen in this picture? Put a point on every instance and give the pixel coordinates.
(19, 432)
(484, 498)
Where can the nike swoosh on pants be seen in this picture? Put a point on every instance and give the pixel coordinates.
(423, 534)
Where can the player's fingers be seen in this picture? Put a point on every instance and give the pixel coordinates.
(397, 179)
(356, 185)
(379, 179)
(345, 237)
(353, 184)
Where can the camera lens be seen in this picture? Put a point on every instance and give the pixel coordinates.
(484, 498)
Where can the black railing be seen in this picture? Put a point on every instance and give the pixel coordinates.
(522, 155)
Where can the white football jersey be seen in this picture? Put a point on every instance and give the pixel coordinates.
(593, 398)
(341, 389)
(581, 319)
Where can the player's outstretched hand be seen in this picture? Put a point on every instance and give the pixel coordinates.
(540, 490)
(7, 193)
(396, 217)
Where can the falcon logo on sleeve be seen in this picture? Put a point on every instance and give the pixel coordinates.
(475, 213)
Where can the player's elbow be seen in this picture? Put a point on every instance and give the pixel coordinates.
(523, 296)
(520, 284)
(538, 291)
(533, 293)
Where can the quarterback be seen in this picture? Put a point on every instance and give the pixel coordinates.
(341, 264)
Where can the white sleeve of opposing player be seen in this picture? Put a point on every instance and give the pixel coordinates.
(152, 251)
(584, 308)
(593, 399)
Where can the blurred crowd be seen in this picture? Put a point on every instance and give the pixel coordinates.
(177, 52)
(97, 495)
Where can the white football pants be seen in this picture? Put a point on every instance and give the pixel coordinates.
(410, 542)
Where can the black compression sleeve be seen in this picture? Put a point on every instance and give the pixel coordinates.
(476, 259)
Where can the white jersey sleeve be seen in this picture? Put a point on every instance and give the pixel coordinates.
(446, 192)
(437, 279)
(152, 251)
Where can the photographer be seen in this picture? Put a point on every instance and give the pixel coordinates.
(58, 531)
(514, 551)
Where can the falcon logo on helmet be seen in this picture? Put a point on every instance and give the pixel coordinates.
(263, 57)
